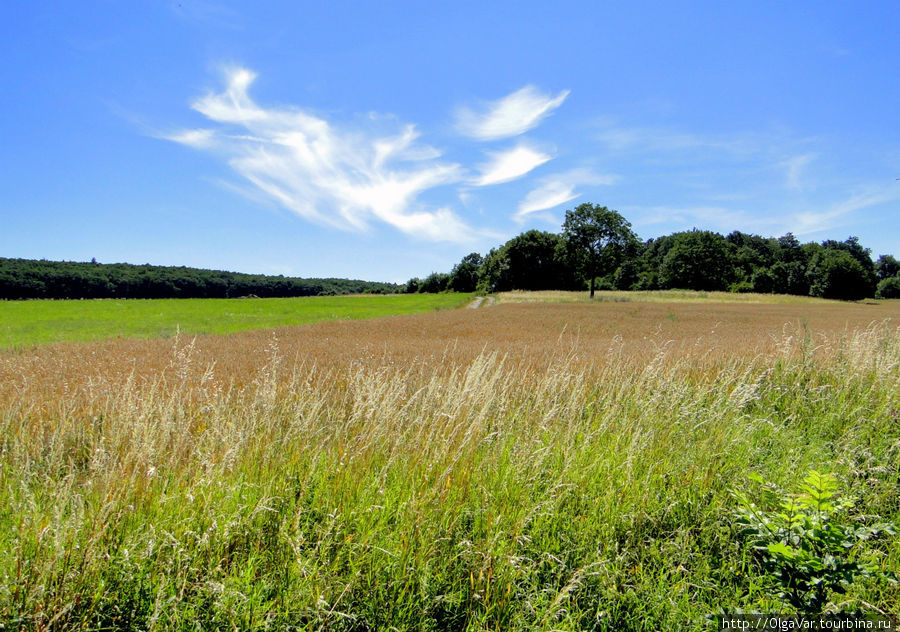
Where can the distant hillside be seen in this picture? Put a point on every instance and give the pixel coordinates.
(27, 278)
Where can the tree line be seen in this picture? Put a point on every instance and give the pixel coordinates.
(597, 249)
(31, 279)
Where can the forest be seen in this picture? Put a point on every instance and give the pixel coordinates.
(30, 279)
(690, 260)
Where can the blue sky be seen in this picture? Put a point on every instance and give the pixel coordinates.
(386, 140)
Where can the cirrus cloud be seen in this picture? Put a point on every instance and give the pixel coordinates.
(548, 195)
(350, 179)
(509, 165)
(324, 174)
(510, 116)
(558, 189)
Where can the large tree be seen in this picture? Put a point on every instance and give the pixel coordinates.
(597, 239)
(464, 276)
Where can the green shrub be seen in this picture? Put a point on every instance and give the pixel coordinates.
(763, 281)
(888, 288)
(741, 287)
(805, 552)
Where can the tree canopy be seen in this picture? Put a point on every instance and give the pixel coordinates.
(597, 249)
(597, 240)
(26, 278)
(698, 260)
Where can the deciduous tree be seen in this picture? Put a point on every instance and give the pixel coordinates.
(597, 240)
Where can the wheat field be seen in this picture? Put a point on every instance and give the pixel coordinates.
(526, 466)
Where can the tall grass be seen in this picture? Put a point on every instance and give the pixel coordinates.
(490, 495)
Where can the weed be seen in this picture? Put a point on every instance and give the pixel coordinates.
(803, 548)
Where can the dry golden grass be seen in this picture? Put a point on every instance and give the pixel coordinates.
(76, 380)
(530, 334)
(656, 296)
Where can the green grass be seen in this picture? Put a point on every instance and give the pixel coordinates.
(25, 323)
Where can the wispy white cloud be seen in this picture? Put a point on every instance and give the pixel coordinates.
(196, 138)
(707, 217)
(505, 166)
(795, 168)
(325, 174)
(663, 140)
(704, 161)
(811, 222)
(548, 195)
(558, 189)
(774, 222)
(510, 116)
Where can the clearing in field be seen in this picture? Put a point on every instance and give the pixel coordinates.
(524, 466)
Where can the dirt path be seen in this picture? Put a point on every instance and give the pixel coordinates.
(479, 300)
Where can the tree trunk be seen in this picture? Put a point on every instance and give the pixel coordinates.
(592, 286)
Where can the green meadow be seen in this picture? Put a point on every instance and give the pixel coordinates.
(25, 323)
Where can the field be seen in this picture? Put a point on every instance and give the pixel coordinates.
(531, 465)
(658, 296)
(25, 323)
